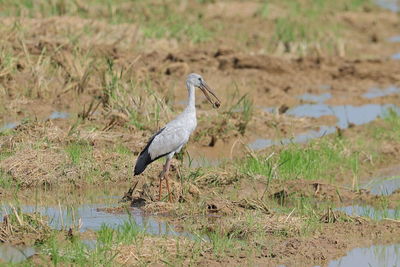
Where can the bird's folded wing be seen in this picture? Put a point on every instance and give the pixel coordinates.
(168, 140)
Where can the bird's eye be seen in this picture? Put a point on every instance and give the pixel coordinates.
(200, 79)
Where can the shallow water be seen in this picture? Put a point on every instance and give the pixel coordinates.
(384, 187)
(260, 144)
(88, 217)
(325, 87)
(392, 5)
(59, 115)
(315, 98)
(346, 114)
(14, 254)
(370, 212)
(53, 116)
(396, 56)
(377, 92)
(394, 39)
(9, 125)
(379, 255)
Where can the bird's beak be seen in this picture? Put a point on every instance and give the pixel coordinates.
(206, 89)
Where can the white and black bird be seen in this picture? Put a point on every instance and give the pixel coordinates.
(170, 139)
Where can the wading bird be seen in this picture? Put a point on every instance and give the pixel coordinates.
(170, 139)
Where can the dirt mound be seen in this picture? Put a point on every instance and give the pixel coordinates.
(31, 167)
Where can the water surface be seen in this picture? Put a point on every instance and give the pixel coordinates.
(345, 114)
(370, 212)
(260, 143)
(378, 255)
(384, 187)
(394, 39)
(392, 5)
(15, 254)
(377, 92)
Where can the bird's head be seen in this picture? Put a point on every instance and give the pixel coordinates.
(197, 81)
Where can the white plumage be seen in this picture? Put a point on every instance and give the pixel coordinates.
(174, 136)
(170, 139)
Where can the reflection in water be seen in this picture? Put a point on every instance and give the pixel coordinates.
(9, 253)
(379, 255)
(376, 92)
(371, 212)
(9, 125)
(394, 39)
(298, 139)
(325, 87)
(88, 217)
(391, 5)
(384, 187)
(346, 114)
(396, 56)
(59, 115)
(315, 98)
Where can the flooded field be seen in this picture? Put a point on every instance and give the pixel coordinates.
(297, 167)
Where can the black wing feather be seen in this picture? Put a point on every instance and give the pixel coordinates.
(144, 158)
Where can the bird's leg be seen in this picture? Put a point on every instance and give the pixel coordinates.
(169, 192)
(159, 192)
(164, 175)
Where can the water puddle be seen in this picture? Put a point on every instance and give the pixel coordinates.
(315, 98)
(91, 217)
(15, 254)
(371, 212)
(377, 92)
(53, 116)
(392, 5)
(378, 255)
(9, 126)
(298, 139)
(396, 56)
(346, 114)
(384, 187)
(325, 87)
(394, 39)
(59, 115)
(83, 210)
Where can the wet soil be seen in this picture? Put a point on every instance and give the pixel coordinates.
(296, 98)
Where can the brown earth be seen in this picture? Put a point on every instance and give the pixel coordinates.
(360, 61)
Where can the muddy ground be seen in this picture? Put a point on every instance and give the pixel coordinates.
(113, 81)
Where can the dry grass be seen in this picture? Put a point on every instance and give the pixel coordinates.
(156, 250)
(22, 228)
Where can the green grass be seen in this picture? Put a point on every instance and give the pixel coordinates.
(321, 159)
(264, 9)
(6, 181)
(390, 130)
(308, 23)
(220, 243)
(303, 23)
(157, 19)
(76, 252)
(175, 26)
(123, 150)
(78, 151)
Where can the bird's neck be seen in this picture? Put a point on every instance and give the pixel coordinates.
(191, 98)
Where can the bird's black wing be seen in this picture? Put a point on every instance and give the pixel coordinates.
(144, 158)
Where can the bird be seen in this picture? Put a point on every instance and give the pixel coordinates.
(170, 139)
